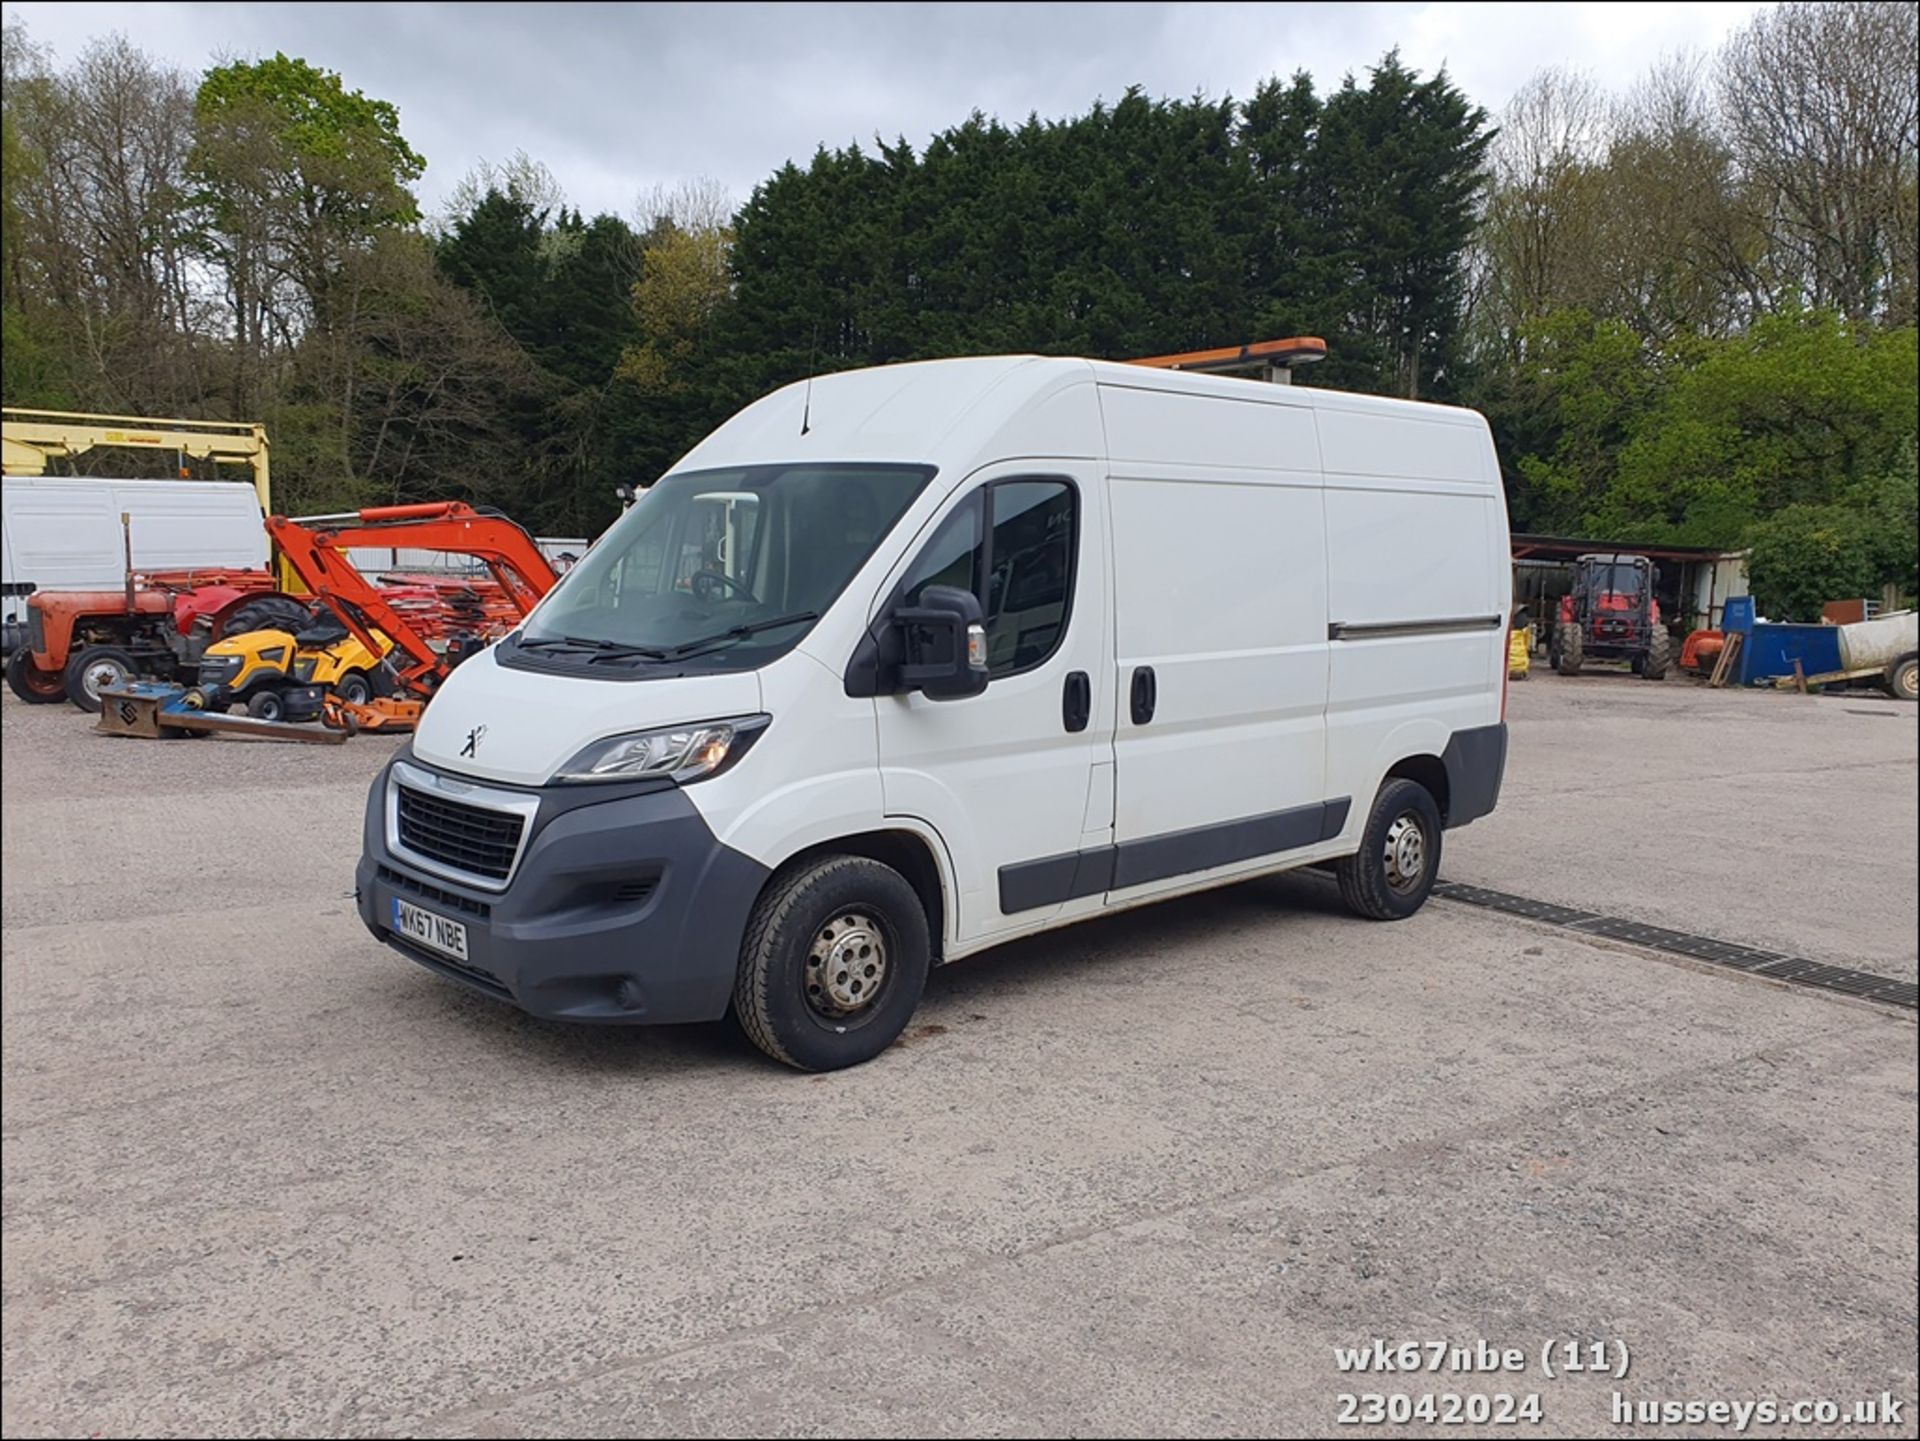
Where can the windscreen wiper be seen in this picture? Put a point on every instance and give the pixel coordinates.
(602, 649)
(738, 632)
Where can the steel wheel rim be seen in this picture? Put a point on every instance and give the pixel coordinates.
(101, 675)
(847, 966)
(1405, 852)
(42, 682)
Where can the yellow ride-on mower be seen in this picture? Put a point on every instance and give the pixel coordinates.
(282, 675)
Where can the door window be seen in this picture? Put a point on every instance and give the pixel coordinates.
(952, 557)
(1011, 543)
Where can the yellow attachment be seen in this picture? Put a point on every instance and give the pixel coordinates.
(1519, 653)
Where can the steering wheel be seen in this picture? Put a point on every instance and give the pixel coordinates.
(711, 585)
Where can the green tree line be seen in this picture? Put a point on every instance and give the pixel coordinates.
(1688, 310)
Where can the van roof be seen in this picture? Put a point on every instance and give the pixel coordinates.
(943, 411)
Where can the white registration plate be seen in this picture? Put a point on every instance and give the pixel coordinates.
(424, 928)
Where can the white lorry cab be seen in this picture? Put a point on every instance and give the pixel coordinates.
(908, 662)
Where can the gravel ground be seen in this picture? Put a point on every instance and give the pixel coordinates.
(1141, 1176)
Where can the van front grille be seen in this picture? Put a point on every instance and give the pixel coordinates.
(475, 839)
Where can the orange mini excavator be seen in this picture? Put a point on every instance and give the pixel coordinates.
(414, 668)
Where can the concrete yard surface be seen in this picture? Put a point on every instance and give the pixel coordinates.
(1141, 1176)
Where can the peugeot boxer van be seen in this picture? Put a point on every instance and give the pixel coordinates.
(907, 662)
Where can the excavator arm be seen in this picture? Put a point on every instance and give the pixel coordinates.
(319, 557)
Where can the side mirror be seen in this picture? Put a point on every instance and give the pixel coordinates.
(943, 644)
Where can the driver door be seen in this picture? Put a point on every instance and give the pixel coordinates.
(1017, 780)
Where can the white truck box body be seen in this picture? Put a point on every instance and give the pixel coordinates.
(64, 533)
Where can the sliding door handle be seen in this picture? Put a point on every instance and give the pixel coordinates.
(1145, 694)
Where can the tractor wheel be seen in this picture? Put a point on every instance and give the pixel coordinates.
(1653, 665)
(270, 612)
(98, 668)
(1572, 649)
(268, 705)
(30, 683)
(354, 688)
(1903, 681)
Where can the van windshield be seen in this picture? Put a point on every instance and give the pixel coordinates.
(730, 564)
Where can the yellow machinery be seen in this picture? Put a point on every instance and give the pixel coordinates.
(31, 438)
(261, 668)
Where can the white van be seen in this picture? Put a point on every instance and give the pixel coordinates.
(60, 532)
(908, 662)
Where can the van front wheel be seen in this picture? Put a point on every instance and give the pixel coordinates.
(833, 964)
(1389, 878)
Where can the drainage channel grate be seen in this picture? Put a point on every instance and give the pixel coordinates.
(1775, 965)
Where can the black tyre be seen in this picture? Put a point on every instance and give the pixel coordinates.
(1389, 877)
(1903, 681)
(1572, 649)
(98, 668)
(30, 683)
(267, 706)
(270, 612)
(834, 960)
(354, 688)
(1659, 655)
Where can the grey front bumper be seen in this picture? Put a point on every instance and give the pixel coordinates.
(623, 908)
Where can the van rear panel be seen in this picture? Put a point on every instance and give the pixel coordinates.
(1419, 589)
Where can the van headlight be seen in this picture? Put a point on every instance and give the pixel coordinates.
(679, 753)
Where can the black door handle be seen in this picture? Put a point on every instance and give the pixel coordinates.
(1076, 703)
(1145, 693)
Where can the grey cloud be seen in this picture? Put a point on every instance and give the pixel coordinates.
(617, 98)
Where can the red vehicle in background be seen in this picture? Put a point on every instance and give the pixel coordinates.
(1611, 614)
(79, 642)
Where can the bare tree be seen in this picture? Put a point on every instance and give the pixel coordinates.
(100, 212)
(1822, 103)
(1679, 251)
(699, 204)
(1544, 210)
(520, 177)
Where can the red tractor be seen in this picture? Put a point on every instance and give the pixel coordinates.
(1611, 614)
(81, 642)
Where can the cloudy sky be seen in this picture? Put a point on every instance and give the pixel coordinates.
(615, 99)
